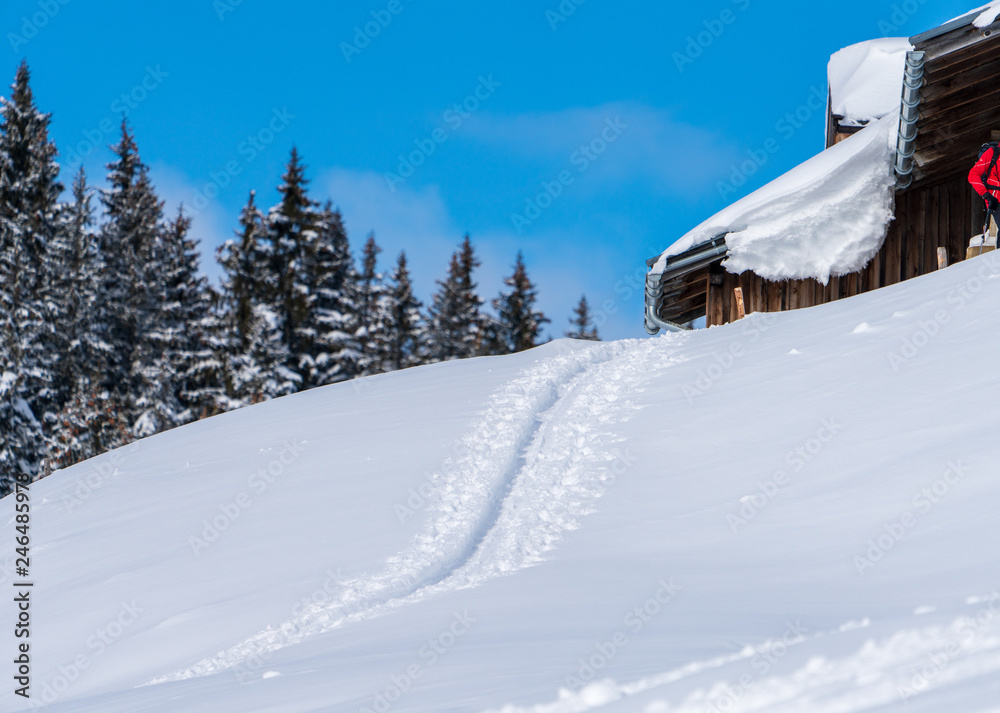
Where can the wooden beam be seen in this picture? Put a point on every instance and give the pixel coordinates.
(714, 303)
(942, 258)
(968, 40)
(976, 78)
(741, 311)
(690, 315)
(969, 107)
(942, 68)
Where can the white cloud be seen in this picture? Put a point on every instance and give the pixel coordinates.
(627, 141)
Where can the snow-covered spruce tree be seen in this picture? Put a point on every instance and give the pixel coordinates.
(400, 336)
(190, 334)
(293, 226)
(83, 352)
(455, 328)
(29, 307)
(85, 425)
(492, 341)
(332, 320)
(372, 312)
(21, 437)
(140, 382)
(519, 323)
(255, 356)
(583, 323)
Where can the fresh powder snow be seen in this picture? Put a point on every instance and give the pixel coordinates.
(827, 216)
(793, 512)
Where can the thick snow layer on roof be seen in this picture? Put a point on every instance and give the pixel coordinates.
(827, 216)
(989, 15)
(866, 79)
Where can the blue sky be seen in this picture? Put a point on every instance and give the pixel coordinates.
(590, 135)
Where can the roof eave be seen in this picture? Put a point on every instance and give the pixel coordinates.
(692, 259)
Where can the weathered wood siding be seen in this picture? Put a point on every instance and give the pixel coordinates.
(944, 215)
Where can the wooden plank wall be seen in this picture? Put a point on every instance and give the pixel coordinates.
(927, 217)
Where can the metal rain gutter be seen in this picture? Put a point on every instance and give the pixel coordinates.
(692, 260)
(913, 79)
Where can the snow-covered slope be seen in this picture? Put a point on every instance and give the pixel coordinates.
(796, 512)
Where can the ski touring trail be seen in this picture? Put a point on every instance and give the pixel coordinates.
(544, 450)
(907, 667)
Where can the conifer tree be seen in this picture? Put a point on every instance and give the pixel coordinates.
(519, 323)
(29, 224)
(372, 314)
(293, 226)
(492, 341)
(399, 339)
(78, 284)
(456, 324)
(85, 425)
(21, 437)
(255, 356)
(140, 382)
(191, 335)
(333, 318)
(582, 323)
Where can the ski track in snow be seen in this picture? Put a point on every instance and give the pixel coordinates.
(541, 454)
(882, 673)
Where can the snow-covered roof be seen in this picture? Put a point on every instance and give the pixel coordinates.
(866, 79)
(827, 216)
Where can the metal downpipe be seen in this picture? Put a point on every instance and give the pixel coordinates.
(913, 79)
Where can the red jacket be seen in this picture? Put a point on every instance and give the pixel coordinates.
(976, 175)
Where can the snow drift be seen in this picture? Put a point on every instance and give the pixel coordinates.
(866, 79)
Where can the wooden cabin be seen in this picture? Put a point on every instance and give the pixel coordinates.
(950, 105)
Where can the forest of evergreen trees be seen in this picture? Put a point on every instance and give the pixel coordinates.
(108, 333)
